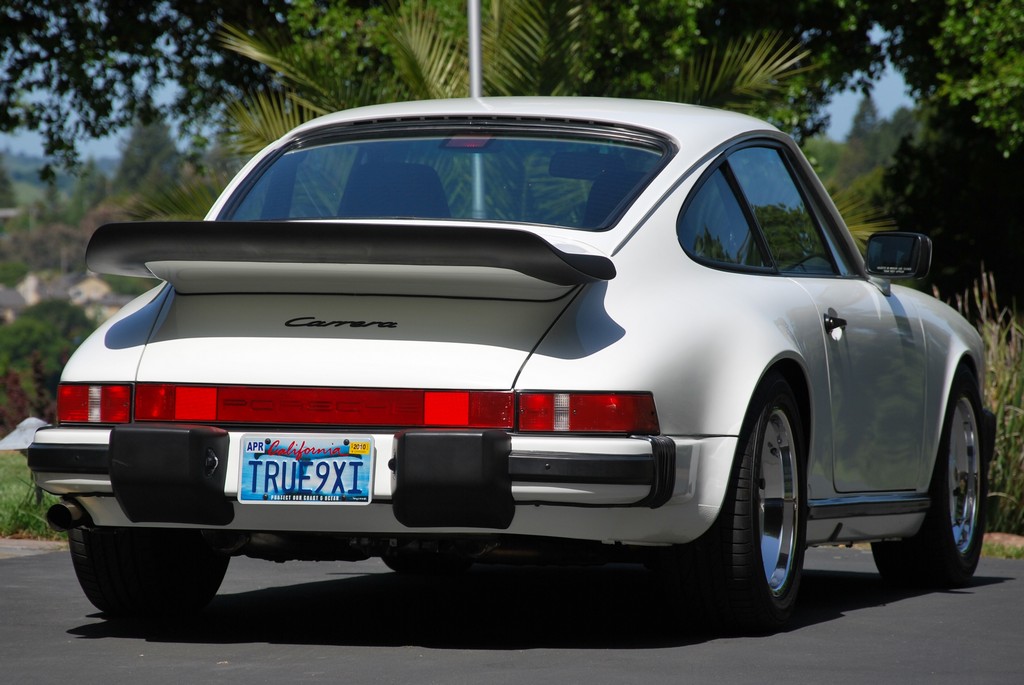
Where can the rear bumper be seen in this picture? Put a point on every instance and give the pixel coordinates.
(180, 474)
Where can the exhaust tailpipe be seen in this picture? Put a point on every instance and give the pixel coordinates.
(65, 515)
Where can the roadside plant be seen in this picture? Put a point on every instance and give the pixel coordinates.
(1002, 330)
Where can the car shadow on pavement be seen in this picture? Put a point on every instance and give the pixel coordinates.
(503, 608)
(829, 595)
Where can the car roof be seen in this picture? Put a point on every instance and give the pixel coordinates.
(680, 122)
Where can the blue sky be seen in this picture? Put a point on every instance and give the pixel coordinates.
(889, 94)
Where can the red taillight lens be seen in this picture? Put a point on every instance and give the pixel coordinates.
(631, 413)
(94, 403)
(343, 407)
(175, 403)
(538, 412)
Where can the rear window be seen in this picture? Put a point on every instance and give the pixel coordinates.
(574, 180)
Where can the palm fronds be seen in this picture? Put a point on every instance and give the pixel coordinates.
(738, 75)
(261, 118)
(430, 62)
(531, 47)
(862, 217)
(188, 200)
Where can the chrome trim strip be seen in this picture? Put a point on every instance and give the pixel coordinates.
(887, 504)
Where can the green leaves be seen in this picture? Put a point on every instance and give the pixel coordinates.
(261, 118)
(429, 61)
(862, 216)
(740, 74)
(189, 200)
(533, 48)
(982, 62)
(529, 47)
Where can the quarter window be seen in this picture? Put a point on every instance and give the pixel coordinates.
(714, 227)
(749, 213)
(792, 236)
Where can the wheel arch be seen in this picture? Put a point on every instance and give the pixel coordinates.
(796, 376)
(958, 359)
(713, 477)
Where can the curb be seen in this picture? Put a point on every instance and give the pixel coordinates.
(18, 547)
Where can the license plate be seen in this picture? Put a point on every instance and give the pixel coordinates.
(309, 469)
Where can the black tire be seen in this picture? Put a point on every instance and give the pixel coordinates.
(146, 571)
(945, 551)
(744, 573)
(427, 563)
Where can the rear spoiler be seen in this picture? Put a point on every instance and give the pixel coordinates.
(138, 248)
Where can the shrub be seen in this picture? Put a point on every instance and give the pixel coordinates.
(1002, 330)
(22, 506)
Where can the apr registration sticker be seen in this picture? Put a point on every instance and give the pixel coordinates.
(312, 469)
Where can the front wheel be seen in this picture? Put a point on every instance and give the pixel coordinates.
(146, 571)
(946, 550)
(745, 571)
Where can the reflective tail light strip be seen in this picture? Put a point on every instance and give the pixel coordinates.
(535, 412)
(325, 406)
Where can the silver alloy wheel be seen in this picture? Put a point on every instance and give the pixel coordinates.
(778, 501)
(963, 474)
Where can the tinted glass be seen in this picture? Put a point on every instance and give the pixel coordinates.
(714, 227)
(789, 229)
(575, 181)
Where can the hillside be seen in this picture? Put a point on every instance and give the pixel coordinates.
(23, 171)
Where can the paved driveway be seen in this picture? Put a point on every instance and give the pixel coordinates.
(359, 623)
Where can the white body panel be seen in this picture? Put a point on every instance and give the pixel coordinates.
(436, 343)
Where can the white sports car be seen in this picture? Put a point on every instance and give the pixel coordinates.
(528, 329)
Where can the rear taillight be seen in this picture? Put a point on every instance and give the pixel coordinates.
(320, 406)
(94, 403)
(527, 412)
(556, 412)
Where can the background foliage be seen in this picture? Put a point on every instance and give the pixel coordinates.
(194, 93)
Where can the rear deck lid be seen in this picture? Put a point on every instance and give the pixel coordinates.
(346, 305)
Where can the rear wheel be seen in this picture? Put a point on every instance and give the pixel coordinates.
(945, 552)
(745, 571)
(146, 571)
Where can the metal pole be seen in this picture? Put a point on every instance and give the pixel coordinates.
(475, 66)
(476, 90)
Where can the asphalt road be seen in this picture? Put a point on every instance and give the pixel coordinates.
(359, 623)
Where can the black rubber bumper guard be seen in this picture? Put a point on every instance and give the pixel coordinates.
(174, 473)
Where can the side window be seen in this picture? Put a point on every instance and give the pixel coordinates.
(775, 199)
(714, 227)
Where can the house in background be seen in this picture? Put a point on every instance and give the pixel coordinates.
(88, 291)
(11, 304)
(6, 214)
(78, 289)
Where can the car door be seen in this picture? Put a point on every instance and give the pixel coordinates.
(874, 344)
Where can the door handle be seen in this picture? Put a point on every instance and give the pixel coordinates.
(835, 326)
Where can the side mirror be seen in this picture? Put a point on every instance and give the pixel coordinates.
(899, 255)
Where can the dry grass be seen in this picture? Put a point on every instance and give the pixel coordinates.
(22, 508)
(1002, 330)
